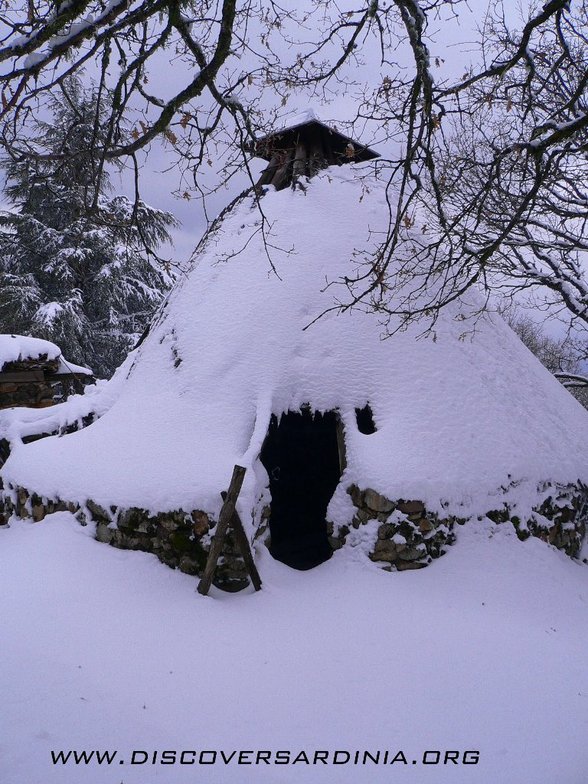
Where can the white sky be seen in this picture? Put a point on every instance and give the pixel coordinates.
(452, 46)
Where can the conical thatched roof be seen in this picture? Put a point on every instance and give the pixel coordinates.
(458, 419)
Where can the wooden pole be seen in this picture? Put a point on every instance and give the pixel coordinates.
(269, 172)
(243, 544)
(224, 519)
(283, 175)
(299, 169)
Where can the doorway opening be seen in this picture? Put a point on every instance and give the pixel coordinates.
(301, 456)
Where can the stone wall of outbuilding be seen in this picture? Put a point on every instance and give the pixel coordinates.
(38, 382)
(25, 383)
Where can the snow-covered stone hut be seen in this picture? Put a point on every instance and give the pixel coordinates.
(34, 372)
(349, 441)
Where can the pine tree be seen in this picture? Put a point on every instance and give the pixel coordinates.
(77, 265)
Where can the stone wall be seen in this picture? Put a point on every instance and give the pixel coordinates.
(561, 519)
(408, 535)
(25, 383)
(179, 539)
(37, 383)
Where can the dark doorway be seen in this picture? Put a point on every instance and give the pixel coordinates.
(301, 456)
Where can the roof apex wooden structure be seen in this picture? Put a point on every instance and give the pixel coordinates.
(304, 148)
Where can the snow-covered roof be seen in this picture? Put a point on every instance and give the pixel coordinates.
(300, 118)
(309, 125)
(458, 418)
(16, 348)
(67, 368)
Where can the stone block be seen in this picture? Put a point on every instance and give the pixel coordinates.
(38, 512)
(356, 495)
(201, 522)
(411, 507)
(104, 533)
(167, 523)
(188, 565)
(131, 518)
(425, 525)
(404, 566)
(99, 514)
(377, 502)
(384, 550)
(81, 517)
(386, 531)
(412, 553)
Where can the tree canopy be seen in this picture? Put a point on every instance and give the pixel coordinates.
(77, 266)
(491, 165)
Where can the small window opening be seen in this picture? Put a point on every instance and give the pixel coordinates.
(365, 420)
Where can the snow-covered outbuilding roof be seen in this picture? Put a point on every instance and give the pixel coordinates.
(21, 348)
(14, 348)
(459, 419)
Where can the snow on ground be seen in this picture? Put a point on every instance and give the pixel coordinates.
(105, 649)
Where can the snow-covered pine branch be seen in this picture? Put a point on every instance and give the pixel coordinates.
(77, 266)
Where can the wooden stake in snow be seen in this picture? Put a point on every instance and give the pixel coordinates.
(229, 518)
